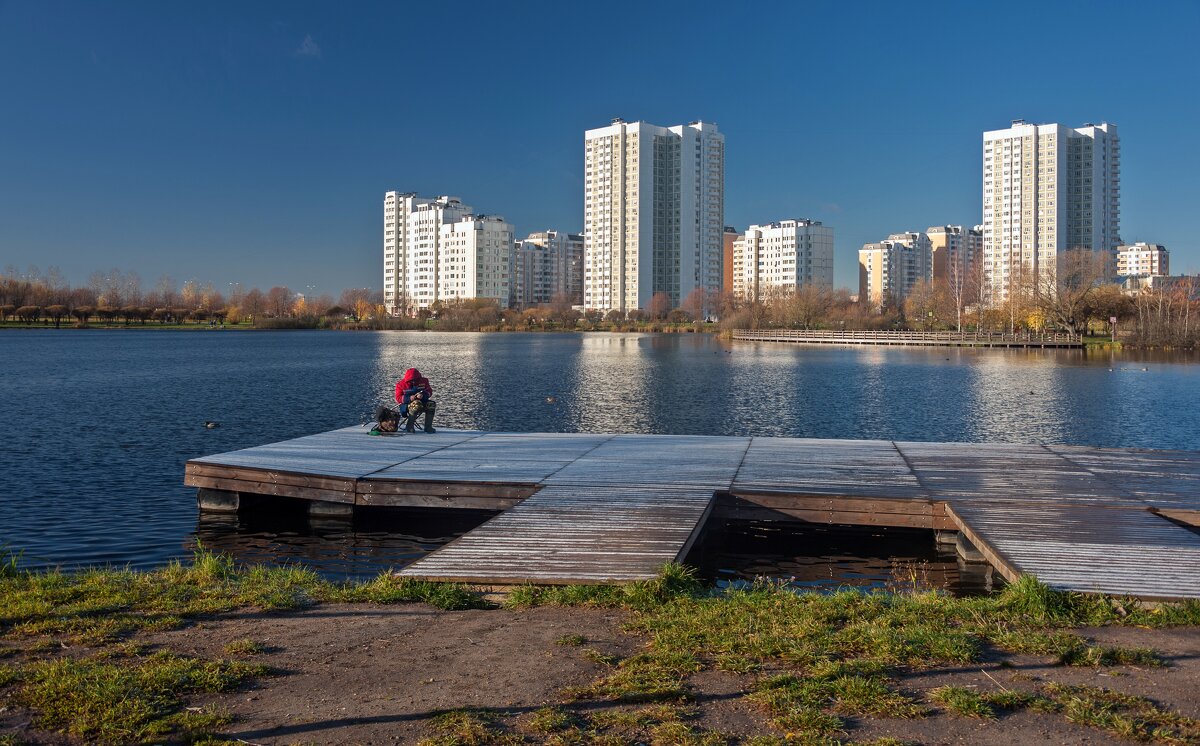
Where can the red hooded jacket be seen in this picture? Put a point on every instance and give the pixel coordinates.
(412, 380)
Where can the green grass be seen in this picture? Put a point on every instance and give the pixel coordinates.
(127, 702)
(811, 661)
(551, 720)
(470, 728)
(102, 605)
(1123, 715)
(245, 647)
(963, 701)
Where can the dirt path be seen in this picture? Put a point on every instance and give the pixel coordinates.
(369, 674)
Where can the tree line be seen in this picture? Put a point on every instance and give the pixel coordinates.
(1080, 297)
(115, 296)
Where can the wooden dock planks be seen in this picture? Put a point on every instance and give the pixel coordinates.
(1082, 548)
(591, 508)
(570, 534)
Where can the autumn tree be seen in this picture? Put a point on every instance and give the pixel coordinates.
(56, 313)
(694, 304)
(254, 303)
(660, 306)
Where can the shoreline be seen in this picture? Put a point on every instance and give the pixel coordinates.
(1094, 345)
(210, 651)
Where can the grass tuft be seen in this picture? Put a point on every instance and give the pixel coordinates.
(470, 728)
(1124, 715)
(245, 647)
(571, 640)
(646, 677)
(962, 701)
(551, 720)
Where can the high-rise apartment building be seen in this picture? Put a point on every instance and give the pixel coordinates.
(475, 260)
(654, 205)
(728, 238)
(436, 249)
(1143, 260)
(1047, 189)
(954, 251)
(785, 255)
(888, 270)
(548, 266)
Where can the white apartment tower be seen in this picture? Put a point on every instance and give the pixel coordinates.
(1143, 260)
(475, 259)
(654, 205)
(1047, 189)
(435, 249)
(412, 228)
(548, 265)
(785, 255)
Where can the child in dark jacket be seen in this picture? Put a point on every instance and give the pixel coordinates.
(413, 394)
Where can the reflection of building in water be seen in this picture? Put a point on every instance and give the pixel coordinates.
(612, 383)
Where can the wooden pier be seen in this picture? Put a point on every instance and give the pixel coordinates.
(896, 338)
(599, 508)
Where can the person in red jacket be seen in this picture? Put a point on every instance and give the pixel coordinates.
(414, 387)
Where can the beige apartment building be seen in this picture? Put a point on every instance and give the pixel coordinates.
(475, 260)
(888, 269)
(729, 237)
(954, 251)
(1142, 260)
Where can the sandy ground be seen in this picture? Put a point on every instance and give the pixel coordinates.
(377, 674)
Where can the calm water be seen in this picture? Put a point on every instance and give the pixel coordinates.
(97, 425)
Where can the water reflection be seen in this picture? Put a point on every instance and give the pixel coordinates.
(374, 541)
(106, 486)
(807, 556)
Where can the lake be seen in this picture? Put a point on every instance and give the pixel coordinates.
(97, 424)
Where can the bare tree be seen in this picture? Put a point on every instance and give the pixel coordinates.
(1062, 294)
(279, 301)
(166, 291)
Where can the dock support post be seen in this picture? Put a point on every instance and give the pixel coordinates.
(944, 538)
(217, 501)
(968, 551)
(323, 509)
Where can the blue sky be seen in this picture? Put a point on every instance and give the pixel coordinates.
(252, 142)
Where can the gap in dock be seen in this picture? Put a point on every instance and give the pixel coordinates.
(277, 531)
(824, 557)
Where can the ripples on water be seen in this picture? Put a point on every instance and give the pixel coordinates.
(98, 424)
